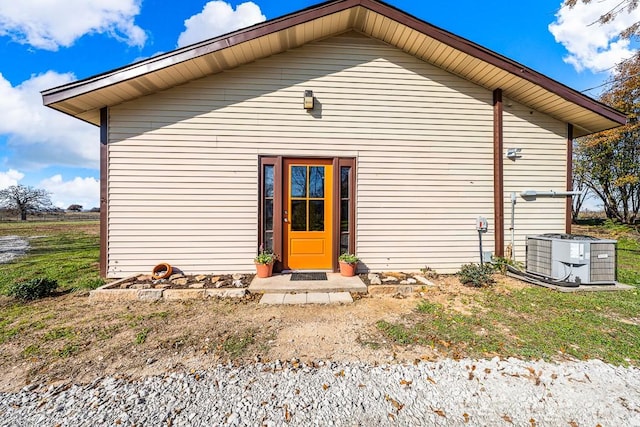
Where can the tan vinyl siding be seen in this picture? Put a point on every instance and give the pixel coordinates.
(543, 167)
(183, 163)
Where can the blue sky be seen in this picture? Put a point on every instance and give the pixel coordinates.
(46, 44)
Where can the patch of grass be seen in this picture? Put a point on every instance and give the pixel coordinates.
(31, 351)
(66, 252)
(106, 332)
(58, 333)
(68, 350)
(141, 337)
(135, 320)
(237, 343)
(629, 260)
(13, 319)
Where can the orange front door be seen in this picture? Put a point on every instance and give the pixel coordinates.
(308, 211)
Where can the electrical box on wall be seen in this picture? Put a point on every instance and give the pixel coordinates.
(482, 224)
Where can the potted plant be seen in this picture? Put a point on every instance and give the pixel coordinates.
(264, 263)
(348, 264)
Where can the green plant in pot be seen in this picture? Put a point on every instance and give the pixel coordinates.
(264, 263)
(348, 264)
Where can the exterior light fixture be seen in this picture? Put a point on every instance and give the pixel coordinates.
(514, 153)
(308, 100)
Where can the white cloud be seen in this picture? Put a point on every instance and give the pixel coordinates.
(591, 45)
(9, 178)
(39, 136)
(81, 191)
(218, 17)
(54, 23)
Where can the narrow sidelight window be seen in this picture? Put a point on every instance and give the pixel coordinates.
(268, 193)
(345, 210)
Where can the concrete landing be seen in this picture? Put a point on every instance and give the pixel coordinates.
(282, 284)
(307, 298)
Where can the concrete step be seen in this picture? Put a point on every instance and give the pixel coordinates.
(282, 284)
(307, 298)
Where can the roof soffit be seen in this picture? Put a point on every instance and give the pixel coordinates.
(84, 98)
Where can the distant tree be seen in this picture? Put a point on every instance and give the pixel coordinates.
(95, 210)
(25, 200)
(75, 208)
(579, 183)
(609, 161)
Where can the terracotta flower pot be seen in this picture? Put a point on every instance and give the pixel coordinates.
(348, 269)
(264, 270)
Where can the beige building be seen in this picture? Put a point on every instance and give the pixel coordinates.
(346, 127)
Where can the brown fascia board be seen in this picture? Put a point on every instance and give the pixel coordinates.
(128, 72)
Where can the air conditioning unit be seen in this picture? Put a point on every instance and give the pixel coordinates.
(572, 258)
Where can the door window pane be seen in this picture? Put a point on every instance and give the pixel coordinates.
(268, 241)
(268, 181)
(316, 182)
(344, 182)
(316, 215)
(298, 181)
(268, 214)
(344, 215)
(299, 215)
(344, 243)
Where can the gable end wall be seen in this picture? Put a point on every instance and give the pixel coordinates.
(183, 163)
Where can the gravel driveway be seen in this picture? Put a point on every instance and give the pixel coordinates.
(12, 247)
(446, 393)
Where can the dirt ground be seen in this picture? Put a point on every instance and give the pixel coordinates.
(70, 338)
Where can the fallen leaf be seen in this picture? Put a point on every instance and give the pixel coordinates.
(405, 382)
(440, 412)
(573, 424)
(391, 416)
(394, 402)
(554, 376)
(507, 418)
(361, 385)
(339, 374)
(471, 376)
(487, 370)
(466, 417)
(533, 422)
(287, 415)
(325, 386)
(431, 380)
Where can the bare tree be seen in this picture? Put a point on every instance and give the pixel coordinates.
(25, 199)
(633, 31)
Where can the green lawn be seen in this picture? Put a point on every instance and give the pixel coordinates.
(65, 251)
(535, 322)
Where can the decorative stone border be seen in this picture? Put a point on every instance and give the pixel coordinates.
(111, 292)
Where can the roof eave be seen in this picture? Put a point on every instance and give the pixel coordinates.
(59, 94)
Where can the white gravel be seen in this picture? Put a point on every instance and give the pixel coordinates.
(12, 247)
(446, 393)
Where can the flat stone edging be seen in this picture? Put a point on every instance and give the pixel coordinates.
(108, 293)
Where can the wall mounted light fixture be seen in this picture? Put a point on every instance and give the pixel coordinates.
(308, 100)
(514, 153)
